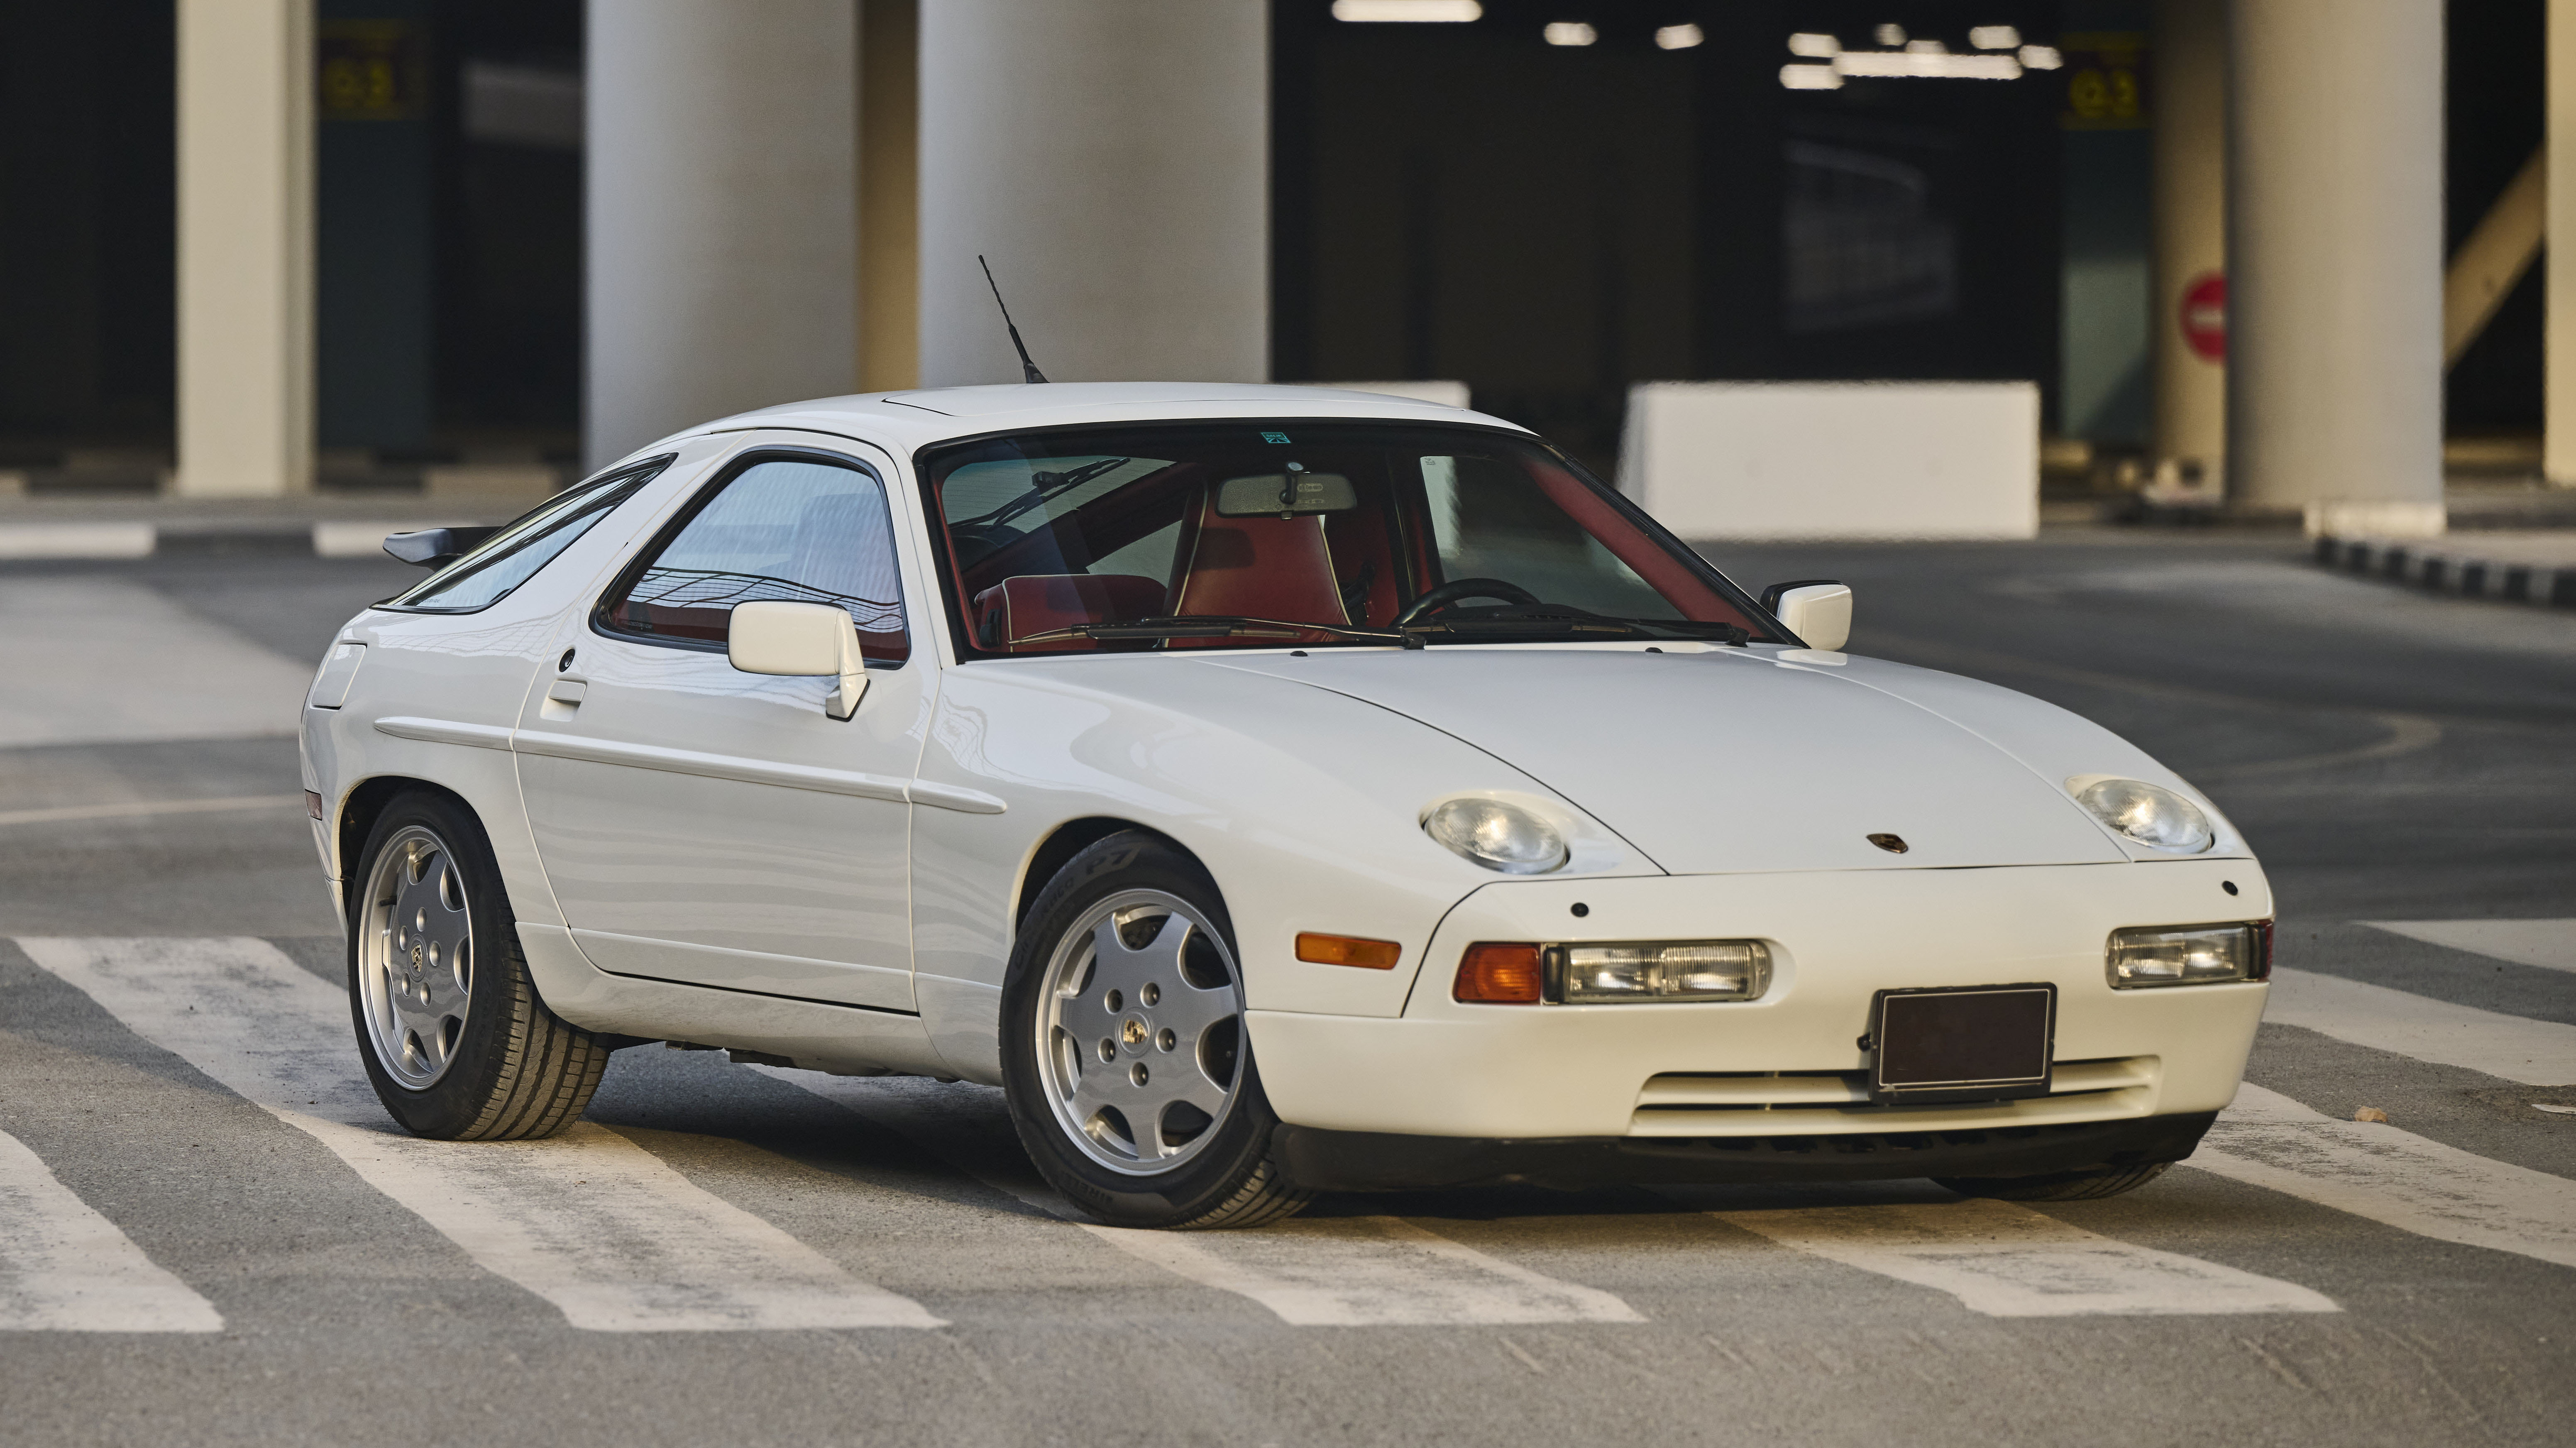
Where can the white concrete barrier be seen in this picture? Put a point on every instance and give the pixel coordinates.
(1835, 459)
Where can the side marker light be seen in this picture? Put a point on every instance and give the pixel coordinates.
(1347, 950)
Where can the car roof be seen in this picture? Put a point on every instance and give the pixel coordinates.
(920, 417)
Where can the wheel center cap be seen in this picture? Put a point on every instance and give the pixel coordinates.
(415, 957)
(1133, 1033)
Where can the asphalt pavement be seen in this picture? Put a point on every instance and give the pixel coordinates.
(205, 1239)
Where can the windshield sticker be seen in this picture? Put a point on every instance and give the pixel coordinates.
(1277, 437)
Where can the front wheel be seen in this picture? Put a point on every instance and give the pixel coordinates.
(454, 1037)
(1125, 1060)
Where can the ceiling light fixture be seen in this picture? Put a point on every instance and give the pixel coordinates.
(1450, 12)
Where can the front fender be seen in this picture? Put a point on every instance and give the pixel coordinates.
(1303, 804)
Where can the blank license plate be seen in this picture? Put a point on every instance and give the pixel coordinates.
(1984, 1043)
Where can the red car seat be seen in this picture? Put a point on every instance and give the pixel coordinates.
(1035, 603)
(1257, 567)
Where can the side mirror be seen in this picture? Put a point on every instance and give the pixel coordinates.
(804, 640)
(1817, 610)
(434, 547)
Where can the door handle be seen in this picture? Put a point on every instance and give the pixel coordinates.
(568, 691)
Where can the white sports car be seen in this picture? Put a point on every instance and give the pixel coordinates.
(1273, 790)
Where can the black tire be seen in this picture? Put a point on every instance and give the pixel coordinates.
(2068, 1186)
(510, 1069)
(1229, 1177)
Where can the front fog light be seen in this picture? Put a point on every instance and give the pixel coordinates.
(2189, 954)
(2149, 814)
(1497, 835)
(1664, 970)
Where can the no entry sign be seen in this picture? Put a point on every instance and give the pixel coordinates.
(2203, 316)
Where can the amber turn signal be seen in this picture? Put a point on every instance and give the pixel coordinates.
(1501, 974)
(1347, 950)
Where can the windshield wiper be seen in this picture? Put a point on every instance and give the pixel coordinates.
(1209, 626)
(1567, 620)
(1042, 487)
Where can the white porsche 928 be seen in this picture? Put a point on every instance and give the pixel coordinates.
(1273, 791)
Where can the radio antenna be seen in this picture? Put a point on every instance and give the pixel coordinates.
(1028, 370)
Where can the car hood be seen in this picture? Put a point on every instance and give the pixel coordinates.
(1737, 760)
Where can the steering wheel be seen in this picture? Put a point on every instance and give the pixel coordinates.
(1458, 588)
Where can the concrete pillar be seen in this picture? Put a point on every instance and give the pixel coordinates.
(2190, 117)
(245, 161)
(1111, 157)
(722, 212)
(889, 194)
(2334, 228)
(2558, 450)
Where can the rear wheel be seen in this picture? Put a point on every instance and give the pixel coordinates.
(2071, 1186)
(1128, 1071)
(449, 1025)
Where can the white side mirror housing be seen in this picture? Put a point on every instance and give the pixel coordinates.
(804, 640)
(1819, 613)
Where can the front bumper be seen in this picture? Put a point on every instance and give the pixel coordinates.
(1789, 1064)
(1358, 1161)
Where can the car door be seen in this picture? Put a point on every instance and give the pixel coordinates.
(709, 826)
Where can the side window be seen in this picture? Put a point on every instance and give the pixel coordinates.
(790, 530)
(500, 563)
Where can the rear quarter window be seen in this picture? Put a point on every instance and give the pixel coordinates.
(492, 569)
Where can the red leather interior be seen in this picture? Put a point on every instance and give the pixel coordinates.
(1264, 567)
(1034, 603)
(1363, 562)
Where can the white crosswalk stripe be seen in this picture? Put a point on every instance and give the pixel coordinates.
(2392, 1176)
(1318, 1272)
(2535, 1053)
(589, 1221)
(2009, 1261)
(66, 1268)
(2550, 944)
(1369, 1272)
(618, 1240)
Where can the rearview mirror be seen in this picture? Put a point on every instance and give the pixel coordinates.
(803, 640)
(1298, 492)
(1817, 610)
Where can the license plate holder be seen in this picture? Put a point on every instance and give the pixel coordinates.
(1961, 1043)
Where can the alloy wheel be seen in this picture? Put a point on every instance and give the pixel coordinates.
(1140, 1032)
(415, 957)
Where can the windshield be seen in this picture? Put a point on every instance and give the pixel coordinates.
(1302, 534)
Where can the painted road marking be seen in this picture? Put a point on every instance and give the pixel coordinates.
(61, 628)
(2008, 1261)
(141, 808)
(1367, 1271)
(65, 1268)
(588, 1220)
(2391, 1176)
(77, 540)
(2535, 1053)
(2547, 943)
